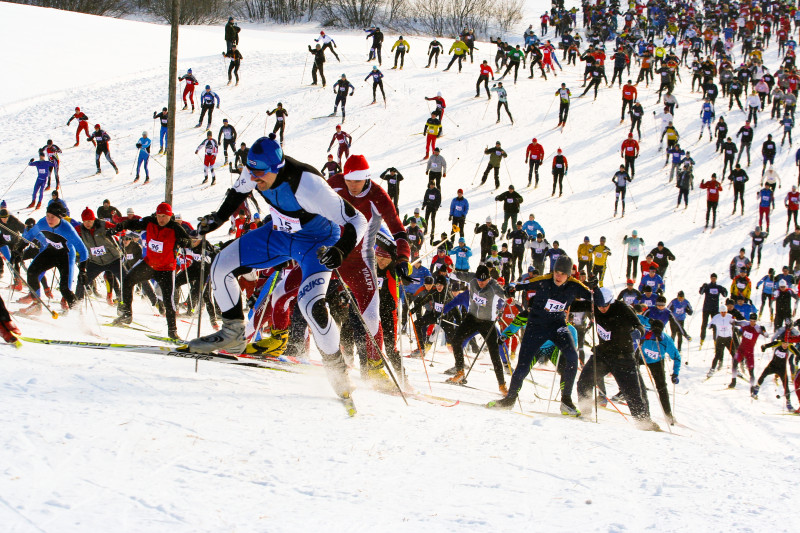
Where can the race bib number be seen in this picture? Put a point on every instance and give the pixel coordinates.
(598, 255)
(747, 335)
(97, 251)
(603, 334)
(584, 258)
(380, 283)
(285, 223)
(431, 197)
(510, 200)
(462, 254)
(129, 257)
(480, 300)
(279, 119)
(652, 355)
(554, 306)
(713, 291)
(42, 172)
(558, 165)
(434, 165)
(438, 307)
(56, 245)
(392, 181)
(412, 237)
(155, 246)
(517, 241)
(458, 208)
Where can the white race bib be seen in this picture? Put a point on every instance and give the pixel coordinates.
(478, 299)
(281, 222)
(56, 245)
(380, 283)
(98, 251)
(603, 334)
(438, 307)
(554, 306)
(156, 246)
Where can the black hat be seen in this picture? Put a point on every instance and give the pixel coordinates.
(656, 326)
(661, 300)
(56, 209)
(753, 316)
(563, 265)
(482, 273)
(428, 280)
(440, 280)
(3, 212)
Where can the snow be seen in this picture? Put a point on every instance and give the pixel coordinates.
(93, 439)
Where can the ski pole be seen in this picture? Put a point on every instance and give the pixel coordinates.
(15, 180)
(202, 286)
(510, 181)
(439, 322)
(653, 382)
(634, 200)
(594, 360)
(486, 109)
(414, 328)
(32, 292)
(485, 337)
(264, 302)
(304, 71)
(478, 169)
(365, 132)
(547, 114)
(248, 125)
(352, 300)
(553, 384)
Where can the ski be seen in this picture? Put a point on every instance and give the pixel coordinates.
(128, 326)
(349, 405)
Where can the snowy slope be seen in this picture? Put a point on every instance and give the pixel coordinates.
(93, 439)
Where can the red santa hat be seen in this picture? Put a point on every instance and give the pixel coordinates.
(356, 168)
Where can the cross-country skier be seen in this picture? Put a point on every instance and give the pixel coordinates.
(560, 168)
(738, 177)
(344, 140)
(434, 49)
(486, 72)
(707, 117)
(563, 95)
(143, 145)
(340, 88)
(377, 42)
(227, 135)
(402, 46)
(436, 169)
(280, 119)
(621, 179)
(306, 219)
(327, 44)
(207, 105)
(629, 151)
(534, 156)
(377, 81)
(188, 89)
(100, 140)
(433, 130)
(502, 100)
(236, 59)
(319, 64)
(210, 149)
(83, 124)
(163, 118)
(496, 156)
(43, 168)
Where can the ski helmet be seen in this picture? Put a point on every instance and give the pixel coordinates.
(563, 265)
(265, 154)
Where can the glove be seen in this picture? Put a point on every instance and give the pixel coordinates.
(110, 232)
(83, 280)
(331, 257)
(31, 160)
(636, 336)
(402, 272)
(138, 145)
(763, 348)
(117, 228)
(688, 338)
(209, 223)
(217, 106)
(675, 379)
(502, 339)
(449, 219)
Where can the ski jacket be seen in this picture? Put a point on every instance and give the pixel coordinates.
(534, 152)
(655, 349)
(713, 188)
(635, 245)
(712, 292)
(459, 207)
(436, 163)
(496, 155)
(432, 199)
(462, 253)
(511, 201)
(532, 228)
(614, 328)
(723, 325)
(60, 237)
(162, 241)
(207, 98)
(680, 309)
(102, 248)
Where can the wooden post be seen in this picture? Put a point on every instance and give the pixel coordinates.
(173, 97)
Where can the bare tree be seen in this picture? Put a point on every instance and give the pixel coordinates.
(354, 13)
(508, 13)
(284, 11)
(192, 11)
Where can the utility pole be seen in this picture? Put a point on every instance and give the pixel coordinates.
(173, 97)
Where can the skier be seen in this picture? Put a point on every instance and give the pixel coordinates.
(344, 140)
(327, 44)
(485, 301)
(393, 177)
(440, 105)
(654, 348)
(59, 247)
(432, 130)
(545, 319)
(750, 332)
(792, 203)
(781, 356)
(707, 116)
(711, 302)
(635, 245)
(680, 308)
(100, 140)
(229, 133)
(560, 169)
(629, 95)
(164, 237)
(636, 113)
(629, 151)
(431, 203)
(210, 149)
(723, 330)
(188, 89)
(770, 285)
(621, 179)
(489, 234)
(51, 151)
(83, 124)
(304, 210)
(684, 183)
(511, 202)
(601, 252)
(377, 42)
(766, 202)
(104, 256)
(746, 133)
(319, 64)
(377, 81)
(143, 145)
(280, 119)
(519, 238)
(8, 328)
(163, 117)
(340, 88)
(43, 168)
(459, 207)
(563, 107)
(534, 155)
(515, 56)
(402, 47)
(662, 256)
(496, 156)
(738, 177)
(459, 49)
(236, 59)
(207, 106)
(434, 49)
(436, 168)
(768, 150)
(788, 123)
(502, 100)
(486, 72)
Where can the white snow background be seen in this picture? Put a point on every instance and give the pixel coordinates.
(101, 440)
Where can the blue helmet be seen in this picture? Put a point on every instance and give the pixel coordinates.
(265, 154)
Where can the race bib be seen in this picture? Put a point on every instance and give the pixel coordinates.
(480, 300)
(747, 335)
(431, 197)
(412, 237)
(517, 241)
(155, 246)
(510, 200)
(713, 291)
(380, 283)
(554, 306)
(392, 181)
(434, 165)
(438, 307)
(458, 208)
(651, 354)
(56, 245)
(584, 258)
(598, 255)
(603, 334)
(285, 223)
(558, 165)
(129, 257)
(7, 237)
(98, 251)
(462, 254)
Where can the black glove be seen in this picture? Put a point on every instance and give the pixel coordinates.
(83, 280)
(675, 379)
(31, 160)
(138, 145)
(331, 257)
(592, 283)
(117, 228)
(510, 290)
(209, 223)
(111, 231)
(402, 272)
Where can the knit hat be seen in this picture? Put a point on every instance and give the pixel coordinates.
(563, 265)
(164, 209)
(130, 211)
(482, 273)
(356, 168)
(87, 214)
(3, 212)
(57, 209)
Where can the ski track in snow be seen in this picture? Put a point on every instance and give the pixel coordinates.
(141, 442)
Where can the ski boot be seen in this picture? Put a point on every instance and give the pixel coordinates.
(451, 371)
(229, 338)
(459, 378)
(32, 310)
(602, 401)
(505, 403)
(503, 389)
(274, 345)
(789, 405)
(754, 391)
(710, 373)
(18, 285)
(38, 205)
(31, 205)
(377, 376)
(48, 292)
(732, 384)
(172, 333)
(184, 107)
(568, 408)
(28, 298)
(125, 317)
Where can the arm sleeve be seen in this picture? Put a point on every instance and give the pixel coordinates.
(315, 196)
